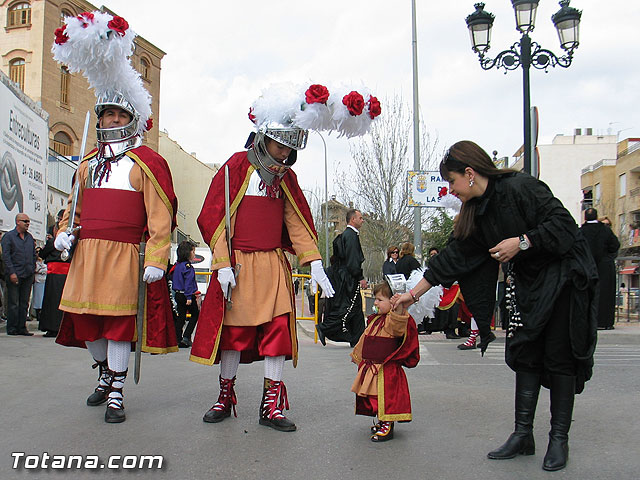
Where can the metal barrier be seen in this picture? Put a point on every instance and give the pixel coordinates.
(304, 276)
(315, 307)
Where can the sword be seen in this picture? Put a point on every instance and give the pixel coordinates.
(227, 219)
(76, 190)
(140, 315)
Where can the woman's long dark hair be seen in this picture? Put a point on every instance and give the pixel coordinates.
(461, 155)
(184, 251)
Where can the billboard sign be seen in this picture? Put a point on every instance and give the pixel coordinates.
(23, 160)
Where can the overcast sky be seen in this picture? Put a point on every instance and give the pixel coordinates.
(221, 54)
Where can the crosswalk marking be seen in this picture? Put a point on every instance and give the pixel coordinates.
(605, 355)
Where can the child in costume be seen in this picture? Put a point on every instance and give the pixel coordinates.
(389, 342)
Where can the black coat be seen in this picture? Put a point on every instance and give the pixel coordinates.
(559, 257)
(604, 247)
(344, 320)
(406, 265)
(389, 267)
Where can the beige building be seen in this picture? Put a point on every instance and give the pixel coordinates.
(191, 180)
(613, 188)
(562, 162)
(25, 56)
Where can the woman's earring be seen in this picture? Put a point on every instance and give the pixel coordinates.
(471, 182)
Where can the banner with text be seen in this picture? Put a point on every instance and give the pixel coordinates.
(23, 163)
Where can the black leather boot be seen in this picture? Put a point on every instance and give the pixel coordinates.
(115, 406)
(563, 389)
(274, 400)
(226, 402)
(521, 440)
(99, 396)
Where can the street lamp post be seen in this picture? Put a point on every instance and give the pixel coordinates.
(525, 53)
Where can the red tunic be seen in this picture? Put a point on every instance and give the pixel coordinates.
(211, 221)
(393, 401)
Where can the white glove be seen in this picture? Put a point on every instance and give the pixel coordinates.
(227, 279)
(152, 274)
(63, 241)
(319, 277)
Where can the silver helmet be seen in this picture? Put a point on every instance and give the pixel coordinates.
(289, 136)
(117, 140)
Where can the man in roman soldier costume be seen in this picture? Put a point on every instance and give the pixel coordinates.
(122, 195)
(249, 311)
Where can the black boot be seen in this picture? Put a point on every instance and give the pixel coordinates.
(99, 396)
(271, 411)
(521, 440)
(563, 389)
(115, 406)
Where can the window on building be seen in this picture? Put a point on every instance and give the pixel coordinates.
(64, 13)
(598, 190)
(145, 69)
(62, 144)
(65, 78)
(623, 184)
(19, 14)
(16, 71)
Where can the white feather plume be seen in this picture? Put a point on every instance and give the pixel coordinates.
(102, 55)
(427, 302)
(344, 122)
(285, 104)
(451, 202)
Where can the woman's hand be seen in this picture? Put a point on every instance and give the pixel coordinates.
(189, 301)
(399, 302)
(506, 249)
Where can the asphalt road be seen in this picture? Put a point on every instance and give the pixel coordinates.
(462, 407)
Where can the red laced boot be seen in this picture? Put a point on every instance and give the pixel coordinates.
(471, 341)
(383, 433)
(226, 402)
(274, 400)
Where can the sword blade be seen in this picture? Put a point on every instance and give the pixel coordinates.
(227, 220)
(76, 187)
(140, 315)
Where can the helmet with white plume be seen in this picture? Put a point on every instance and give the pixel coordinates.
(286, 112)
(99, 45)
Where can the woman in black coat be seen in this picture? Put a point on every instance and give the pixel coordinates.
(511, 217)
(407, 262)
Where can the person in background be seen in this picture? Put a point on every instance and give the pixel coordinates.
(19, 256)
(604, 247)
(511, 217)
(38, 285)
(57, 269)
(389, 265)
(407, 262)
(186, 289)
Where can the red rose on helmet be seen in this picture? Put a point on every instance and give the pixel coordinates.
(61, 35)
(354, 103)
(86, 18)
(252, 117)
(317, 94)
(149, 124)
(118, 24)
(374, 107)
